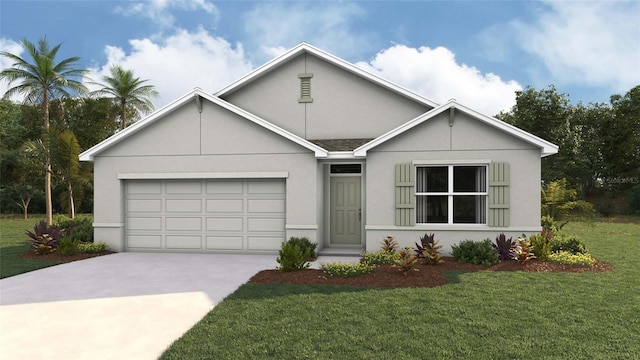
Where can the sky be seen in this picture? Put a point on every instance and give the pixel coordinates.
(477, 52)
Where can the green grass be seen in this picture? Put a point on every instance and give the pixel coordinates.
(481, 315)
(13, 243)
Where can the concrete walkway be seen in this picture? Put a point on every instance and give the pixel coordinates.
(120, 306)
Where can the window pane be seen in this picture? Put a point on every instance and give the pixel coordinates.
(431, 209)
(469, 179)
(432, 179)
(469, 209)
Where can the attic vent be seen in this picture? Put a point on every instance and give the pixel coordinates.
(305, 88)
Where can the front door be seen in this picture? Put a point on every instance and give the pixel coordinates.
(346, 210)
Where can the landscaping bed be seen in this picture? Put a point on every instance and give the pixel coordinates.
(385, 275)
(55, 256)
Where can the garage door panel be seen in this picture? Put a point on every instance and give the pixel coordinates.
(264, 242)
(145, 223)
(205, 215)
(225, 206)
(265, 187)
(225, 187)
(183, 224)
(184, 206)
(144, 241)
(224, 242)
(266, 205)
(183, 187)
(260, 225)
(183, 242)
(140, 205)
(225, 224)
(144, 188)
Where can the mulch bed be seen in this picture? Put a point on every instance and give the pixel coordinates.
(426, 276)
(54, 256)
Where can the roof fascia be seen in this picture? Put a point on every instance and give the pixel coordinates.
(345, 65)
(547, 147)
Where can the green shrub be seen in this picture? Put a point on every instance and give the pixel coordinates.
(346, 269)
(522, 252)
(570, 243)
(68, 247)
(379, 257)
(78, 229)
(44, 238)
(307, 246)
(92, 248)
(292, 257)
(540, 246)
(475, 252)
(568, 258)
(405, 260)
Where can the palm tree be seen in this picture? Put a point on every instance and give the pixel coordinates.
(42, 80)
(129, 92)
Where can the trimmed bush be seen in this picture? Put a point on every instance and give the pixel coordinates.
(379, 257)
(92, 248)
(68, 247)
(568, 258)
(540, 246)
(570, 243)
(346, 269)
(475, 252)
(292, 257)
(78, 229)
(307, 246)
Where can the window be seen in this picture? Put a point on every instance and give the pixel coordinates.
(451, 194)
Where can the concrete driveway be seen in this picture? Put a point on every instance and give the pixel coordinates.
(120, 306)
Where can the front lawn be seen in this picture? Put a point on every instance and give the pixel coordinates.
(486, 315)
(13, 243)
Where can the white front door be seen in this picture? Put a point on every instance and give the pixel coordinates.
(346, 210)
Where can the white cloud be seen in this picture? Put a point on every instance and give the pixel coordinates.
(435, 74)
(586, 43)
(160, 11)
(330, 26)
(180, 62)
(12, 47)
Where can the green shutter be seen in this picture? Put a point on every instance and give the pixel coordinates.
(405, 195)
(499, 194)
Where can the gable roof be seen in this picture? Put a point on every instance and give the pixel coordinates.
(303, 48)
(546, 147)
(197, 94)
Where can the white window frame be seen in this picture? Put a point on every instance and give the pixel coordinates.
(450, 193)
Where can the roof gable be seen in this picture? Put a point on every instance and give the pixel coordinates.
(546, 147)
(196, 95)
(332, 59)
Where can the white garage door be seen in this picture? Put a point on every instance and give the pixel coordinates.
(205, 215)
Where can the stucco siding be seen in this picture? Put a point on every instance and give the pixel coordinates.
(344, 105)
(435, 141)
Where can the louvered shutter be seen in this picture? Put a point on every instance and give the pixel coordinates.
(405, 195)
(499, 194)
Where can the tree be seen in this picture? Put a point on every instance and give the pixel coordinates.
(41, 81)
(129, 92)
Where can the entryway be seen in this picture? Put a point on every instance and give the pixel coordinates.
(345, 206)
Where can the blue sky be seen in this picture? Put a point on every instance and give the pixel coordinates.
(478, 52)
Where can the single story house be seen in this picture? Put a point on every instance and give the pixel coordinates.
(309, 145)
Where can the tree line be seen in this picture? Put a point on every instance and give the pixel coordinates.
(599, 153)
(72, 119)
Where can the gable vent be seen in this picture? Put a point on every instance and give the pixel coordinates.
(305, 88)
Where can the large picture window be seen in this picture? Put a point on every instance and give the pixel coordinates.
(451, 194)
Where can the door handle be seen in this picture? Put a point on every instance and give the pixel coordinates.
(359, 214)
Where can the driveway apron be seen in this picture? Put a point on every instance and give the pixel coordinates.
(120, 306)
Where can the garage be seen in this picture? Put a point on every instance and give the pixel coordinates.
(235, 215)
